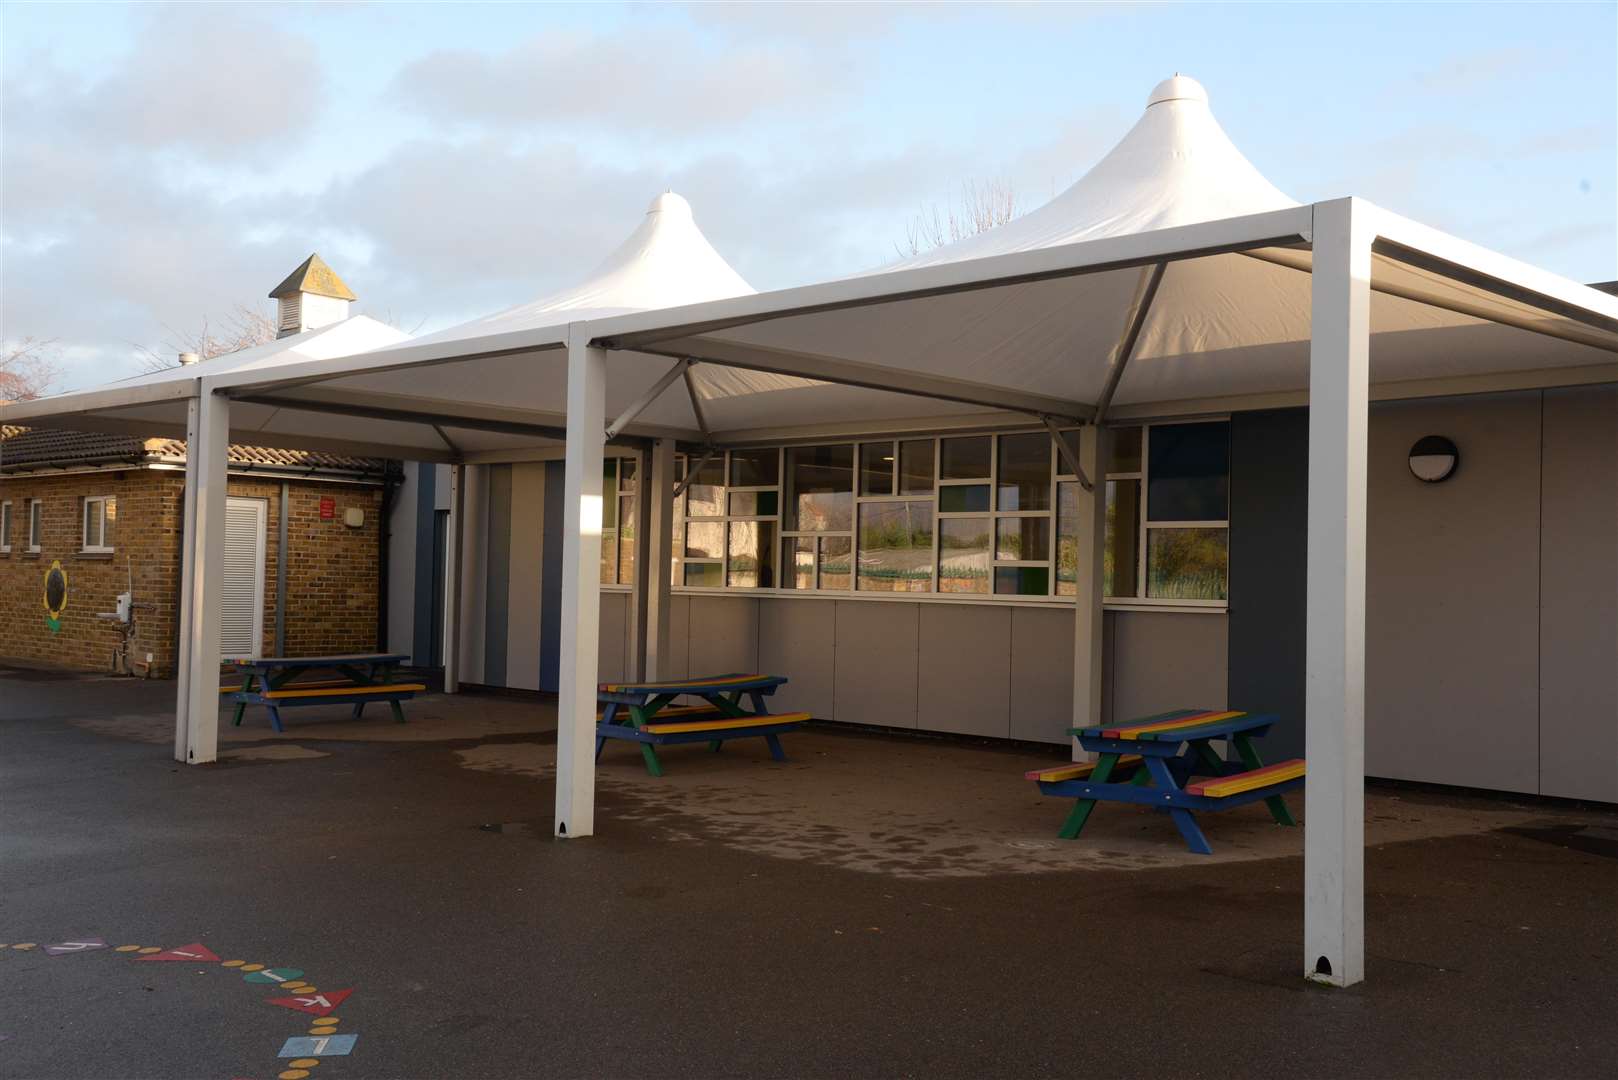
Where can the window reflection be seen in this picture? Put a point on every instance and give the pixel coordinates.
(752, 555)
(819, 489)
(963, 555)
(1187, 564)
(896, 546)
(1024, 479)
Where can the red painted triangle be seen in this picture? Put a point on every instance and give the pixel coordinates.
(321, 1004)
(196, 953)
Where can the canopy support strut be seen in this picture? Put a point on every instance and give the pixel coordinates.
(653, 392)
(1126, 347)
(1065, 452)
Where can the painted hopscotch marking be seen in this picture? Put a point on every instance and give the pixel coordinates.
(66, 948)
(320, 1005)
(272, 975)
(318, 1046)
(195, 953)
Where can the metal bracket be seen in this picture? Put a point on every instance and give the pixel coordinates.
(1065, 452)
(692, 468)
(640, 404)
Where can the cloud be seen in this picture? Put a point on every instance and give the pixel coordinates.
(661, 78)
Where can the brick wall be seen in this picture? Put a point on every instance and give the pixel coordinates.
(332, 569)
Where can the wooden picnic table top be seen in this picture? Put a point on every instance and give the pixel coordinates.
(1179, 726)
(703, 685)
(342, 660)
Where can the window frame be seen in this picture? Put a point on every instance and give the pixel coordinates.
(36, 526)
(101, 547)
(5, 526)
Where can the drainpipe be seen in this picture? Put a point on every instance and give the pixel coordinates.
(281, 576)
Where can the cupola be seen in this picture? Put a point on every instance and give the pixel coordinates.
(312, 296)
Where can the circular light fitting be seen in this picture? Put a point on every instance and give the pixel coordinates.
(1433, 458)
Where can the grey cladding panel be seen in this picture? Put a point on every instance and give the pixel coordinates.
(614, 616)
(723, 635)
(797, 638)
(1579, 595)
(876, 663)
(963, 680)
(1167, 660)
(679, 638)
(1042, 673)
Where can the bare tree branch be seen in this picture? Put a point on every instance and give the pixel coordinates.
(28, 368)
(983, 205)
(243, 328)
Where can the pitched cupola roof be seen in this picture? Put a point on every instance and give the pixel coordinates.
(316, 278)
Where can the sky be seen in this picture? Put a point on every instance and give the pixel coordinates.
(162, 164)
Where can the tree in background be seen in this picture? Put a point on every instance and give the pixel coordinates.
(27, 369)
(243, 328)
(982, 206)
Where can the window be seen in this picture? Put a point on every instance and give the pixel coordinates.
(36, 523)
(618, 535)
(99, 513)
(5, 527)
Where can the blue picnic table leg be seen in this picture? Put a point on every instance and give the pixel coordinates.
(1081, 810)
(1183, 819)
(241, 705)
(774, 742)
(359, 707)
(275, 719)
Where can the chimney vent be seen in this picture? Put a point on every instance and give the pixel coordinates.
(312, 296)
(188, 358)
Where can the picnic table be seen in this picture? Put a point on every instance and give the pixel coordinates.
(1150, 761)
(360, 678)
(645, 713)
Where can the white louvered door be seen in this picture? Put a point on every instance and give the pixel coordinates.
(241, 602)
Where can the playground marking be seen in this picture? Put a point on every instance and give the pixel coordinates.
(272, 975)
(319, 1046)
(66, 948)
(320, 1005)
(195, 953)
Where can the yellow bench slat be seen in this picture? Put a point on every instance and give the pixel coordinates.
(1278, 773)
(1076, 771)
(726, 725)
(348, 691)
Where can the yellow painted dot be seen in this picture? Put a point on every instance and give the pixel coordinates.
(252, 967)
(321, 1031)
(304, 1063)
(151, 949)
(126, 948)
(292, 1074)
(327, 1020)
(306, 989)
(25, 945)
(233, 963)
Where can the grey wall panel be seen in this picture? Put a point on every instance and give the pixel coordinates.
(1109, 635)
(1269, 535)
(1042, 673)
(679, 638)
(1168, 660)
(614, 615)
(523, 577)
(1578, 653)
(722, 635)
(497, 577)
(404, 586)
(798, 639)
(963, 675)
(876, 663)
(474, 570)
(1452, 596)
(550, 580)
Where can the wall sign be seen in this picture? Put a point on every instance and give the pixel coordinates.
(328, 508)
(55, 597)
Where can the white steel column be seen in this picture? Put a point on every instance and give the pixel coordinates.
(1088, 661)
(658, 484)
(188, 529)
(581, 588)
(639, 581)
(206, 450)
(454, 543)
(1334, 694)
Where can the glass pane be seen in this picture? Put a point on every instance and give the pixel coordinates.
(1024, 478)
(1188, 478)
(1121, 567)
(89, 530)
(876, 468)
(963, 498)
(967, 459)
(752, 554)
(798, 560)
(834, 561)
(626, 540)
(704, 539)
(752, 503)
(820, 488)
(706, 495)
(626, 475)
(1022, 539)
(609, 493)
(1187, 564)
(1067, 539)
(1125, 450)
(109, 515)
(679, 467)
(706, 575)
(609, 557)
(896, 547)
(1022, 580)
(963, 555)
(916, 467)
(754, 468)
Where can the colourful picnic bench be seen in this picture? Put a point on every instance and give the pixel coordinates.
(645, 713)
(1152, 761)
(362, 678)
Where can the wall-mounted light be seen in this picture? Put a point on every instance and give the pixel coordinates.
(1433, 458)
